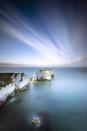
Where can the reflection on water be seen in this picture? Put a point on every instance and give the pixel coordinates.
(61, 103)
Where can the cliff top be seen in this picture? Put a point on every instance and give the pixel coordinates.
(5, 78)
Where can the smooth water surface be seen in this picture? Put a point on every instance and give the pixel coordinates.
(61, 103)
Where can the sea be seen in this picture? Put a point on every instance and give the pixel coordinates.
(60, 103)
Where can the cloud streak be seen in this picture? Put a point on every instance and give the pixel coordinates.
(19, 27)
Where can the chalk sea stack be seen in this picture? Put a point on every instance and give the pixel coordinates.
(42, 75)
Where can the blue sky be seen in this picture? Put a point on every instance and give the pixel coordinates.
(43, 33)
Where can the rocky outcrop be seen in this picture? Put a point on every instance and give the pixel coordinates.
(21, 81)
(42, 75)
(11, 82)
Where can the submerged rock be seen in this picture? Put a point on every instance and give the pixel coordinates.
(36, 121)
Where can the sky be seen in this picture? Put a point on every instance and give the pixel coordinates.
(43, 32)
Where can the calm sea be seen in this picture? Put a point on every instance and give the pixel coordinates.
(61, 103)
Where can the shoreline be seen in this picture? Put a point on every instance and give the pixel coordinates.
(10, 83)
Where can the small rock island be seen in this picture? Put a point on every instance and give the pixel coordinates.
(42, 75)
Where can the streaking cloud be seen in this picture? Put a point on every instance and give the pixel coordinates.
(51, 41)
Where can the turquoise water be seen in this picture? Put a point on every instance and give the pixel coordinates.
(61, 103)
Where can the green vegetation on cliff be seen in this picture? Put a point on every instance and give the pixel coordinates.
(5, 79)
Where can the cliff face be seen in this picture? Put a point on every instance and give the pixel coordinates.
(20, 80)
(11, 82)
(7, 91)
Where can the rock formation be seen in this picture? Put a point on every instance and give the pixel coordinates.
(11, 82)
(42, 75)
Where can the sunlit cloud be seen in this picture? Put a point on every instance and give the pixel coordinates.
(55, 48)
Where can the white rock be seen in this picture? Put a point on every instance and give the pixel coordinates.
(44, 75)
(18, 82)
(7, 91)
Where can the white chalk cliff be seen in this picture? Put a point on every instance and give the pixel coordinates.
(19, 82)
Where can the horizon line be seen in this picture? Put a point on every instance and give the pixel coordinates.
(50, 66)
